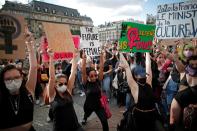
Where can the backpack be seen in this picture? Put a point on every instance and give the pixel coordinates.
(127, 123)
(122, 82)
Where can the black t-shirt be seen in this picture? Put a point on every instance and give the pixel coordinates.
(106, 65)
(93, 94)
(8, 118)
(65, 118)
(146, 99)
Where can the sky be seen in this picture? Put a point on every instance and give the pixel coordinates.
(102, 11)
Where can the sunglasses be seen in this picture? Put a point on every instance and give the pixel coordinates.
(92, 76)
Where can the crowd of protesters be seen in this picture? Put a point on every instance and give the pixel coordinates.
(158, 89)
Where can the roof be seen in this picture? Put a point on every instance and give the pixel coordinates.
(16, 6)
(43, 7)
(56, 9)
(86, 18)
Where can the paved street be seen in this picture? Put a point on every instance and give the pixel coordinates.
(93, 124)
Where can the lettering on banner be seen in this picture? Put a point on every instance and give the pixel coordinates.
(136, 37)
(90, 41)
(177, 20)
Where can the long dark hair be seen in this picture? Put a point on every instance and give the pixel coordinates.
(89, 69)
(3, 88)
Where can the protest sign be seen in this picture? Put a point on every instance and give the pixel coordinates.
(90, 41)
(136, 37)
(12, 41)
(76, 40)
(59, 37)
(169, 42)
(177, 20)
(58, 55)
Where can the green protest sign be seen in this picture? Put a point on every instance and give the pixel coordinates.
(136, 37)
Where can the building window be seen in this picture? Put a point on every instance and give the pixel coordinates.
(66, 13)
(45, 10)
(38, 8)
(53, 11)
(72, 14)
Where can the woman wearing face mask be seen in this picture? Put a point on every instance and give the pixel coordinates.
(184, 54)
(92, 87)
(187, 96)
(60, 97)
(16, 94)
(144, 113)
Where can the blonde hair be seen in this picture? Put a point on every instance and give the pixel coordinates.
(184, 46)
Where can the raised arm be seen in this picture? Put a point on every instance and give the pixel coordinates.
(51, 85)
(101, 67)
(131, 82)
(31, 81)
(84, 75)
(148, 69)
(71, 79)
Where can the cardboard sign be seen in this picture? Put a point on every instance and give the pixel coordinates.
(59, 37)
(136, 37)
(90, 41)
(58, 55)
(169, 42)
(12, 41)
(177, 20)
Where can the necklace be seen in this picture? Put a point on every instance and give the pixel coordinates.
(15, 104)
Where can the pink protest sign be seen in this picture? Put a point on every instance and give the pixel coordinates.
(57, 55)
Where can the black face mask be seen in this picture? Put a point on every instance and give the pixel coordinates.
(141, 81)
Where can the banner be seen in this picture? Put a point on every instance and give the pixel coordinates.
(90, 41)
(12, 41)
(177, 20)
(59, 37)
(58, 55)
(136, 37)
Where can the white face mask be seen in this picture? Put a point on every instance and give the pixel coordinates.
(13, 85)
(61, 89)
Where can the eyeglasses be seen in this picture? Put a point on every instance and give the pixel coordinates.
(92, 76)
(10, 80)
(61, 84)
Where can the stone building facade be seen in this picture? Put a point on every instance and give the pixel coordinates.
(37, 12)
